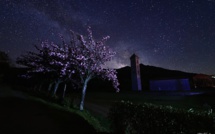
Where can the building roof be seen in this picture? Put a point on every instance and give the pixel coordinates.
(134, 56)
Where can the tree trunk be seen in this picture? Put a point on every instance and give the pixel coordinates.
(64, 91)
(56, 87)
(50, 87)
(35, 87)
(83, 95)
(40, 86)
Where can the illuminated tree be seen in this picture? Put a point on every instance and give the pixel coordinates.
(88, 59)
(83, 58)
(50, 62)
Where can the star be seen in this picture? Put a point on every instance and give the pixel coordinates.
(177, 35)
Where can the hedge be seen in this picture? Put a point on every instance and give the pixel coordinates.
(130, 118)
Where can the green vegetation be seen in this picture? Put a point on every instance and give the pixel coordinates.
(179, 100)
(175, 99)
(19, 115)
(22, 111)
(99, 103)
(84, 114)
(127, 117)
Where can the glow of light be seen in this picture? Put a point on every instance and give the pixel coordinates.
(114, 64)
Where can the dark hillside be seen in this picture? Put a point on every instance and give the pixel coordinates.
(160, 73)
(156, 73)
(124, 76)
(149, 73)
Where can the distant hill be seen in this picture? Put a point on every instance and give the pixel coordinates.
(153, 72)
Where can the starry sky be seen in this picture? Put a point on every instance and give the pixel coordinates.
(172, 34)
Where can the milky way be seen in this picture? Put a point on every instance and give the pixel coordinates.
(173, 34)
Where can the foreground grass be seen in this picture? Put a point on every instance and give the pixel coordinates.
(103, 99)
(18, 115)
(175, 99)
(95, 122)
(29, 114)
(100, 102)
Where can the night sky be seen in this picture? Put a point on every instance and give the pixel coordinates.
(172, 34)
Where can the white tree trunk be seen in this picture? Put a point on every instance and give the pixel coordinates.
(50, 87)
(40, 86)
(64, 91)
(83, 95)
(56, 87)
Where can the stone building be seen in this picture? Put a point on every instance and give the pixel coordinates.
(135, 73)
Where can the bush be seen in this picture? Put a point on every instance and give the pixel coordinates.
(127, 117)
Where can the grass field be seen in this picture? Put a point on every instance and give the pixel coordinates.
(99, 103)
(36, 115)
(31, 117)
(21, 113)
(197, 100)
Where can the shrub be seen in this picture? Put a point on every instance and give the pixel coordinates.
(127, 117)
